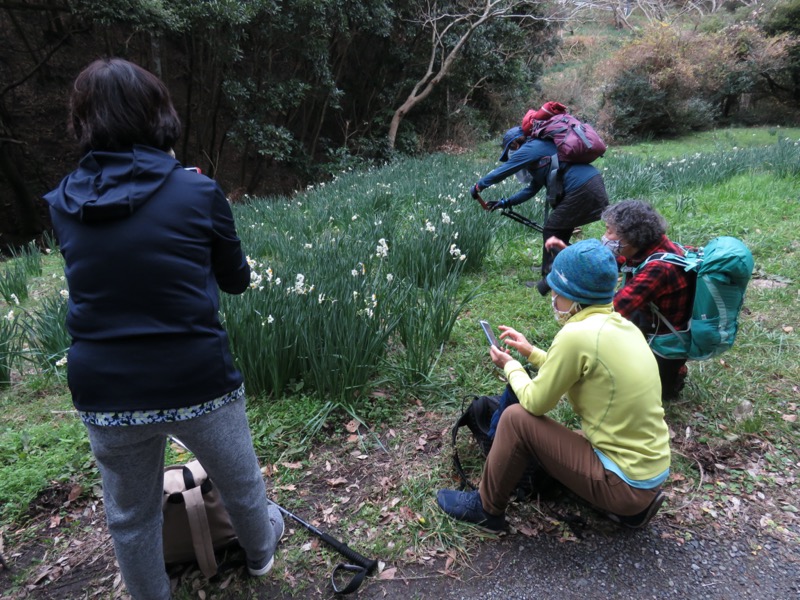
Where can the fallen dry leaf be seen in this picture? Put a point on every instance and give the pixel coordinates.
(789, 418)
(788, 329)
(74, 492)
(337, 481)
(526, 531)
(352, 426)
(294, 465)
(388, 573)
(227, 582)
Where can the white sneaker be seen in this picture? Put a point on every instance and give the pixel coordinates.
(263, 570)
(276, 518)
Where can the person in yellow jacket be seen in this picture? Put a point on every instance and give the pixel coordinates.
(601, 363)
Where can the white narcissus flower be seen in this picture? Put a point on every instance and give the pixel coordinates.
(61, 362)
(64, 293)
(299, 284)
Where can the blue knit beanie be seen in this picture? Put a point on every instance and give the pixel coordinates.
(585, 272)
(512, 134)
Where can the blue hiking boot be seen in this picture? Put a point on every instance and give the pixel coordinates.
(467, 506)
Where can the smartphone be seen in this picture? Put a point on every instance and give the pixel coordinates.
(487, 329)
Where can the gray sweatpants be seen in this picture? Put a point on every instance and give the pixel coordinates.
(131, 462)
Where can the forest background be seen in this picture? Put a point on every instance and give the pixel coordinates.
(275, 96)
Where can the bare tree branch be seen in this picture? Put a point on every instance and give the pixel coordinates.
(444, 54)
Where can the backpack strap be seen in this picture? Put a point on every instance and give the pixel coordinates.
(555, 183)
(688, 264)
(664, 320)
(198, 520)
(465, 482)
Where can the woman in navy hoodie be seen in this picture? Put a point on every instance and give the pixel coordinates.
(147, 246)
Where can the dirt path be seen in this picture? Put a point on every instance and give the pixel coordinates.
(737, 559)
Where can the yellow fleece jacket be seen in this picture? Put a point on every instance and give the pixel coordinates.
(601, 361)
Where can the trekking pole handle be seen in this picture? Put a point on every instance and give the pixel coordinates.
(481, 201)
(369, 565)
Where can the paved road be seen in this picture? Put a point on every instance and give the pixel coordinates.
(613, 564)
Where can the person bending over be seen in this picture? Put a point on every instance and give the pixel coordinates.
(601, 362)
(581, 201)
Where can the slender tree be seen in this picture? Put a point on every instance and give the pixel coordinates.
(450, 26)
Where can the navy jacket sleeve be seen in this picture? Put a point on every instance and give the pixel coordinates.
(529, 156)
(230, 266)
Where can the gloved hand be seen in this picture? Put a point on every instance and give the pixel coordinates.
(475, 191)
(499, 205)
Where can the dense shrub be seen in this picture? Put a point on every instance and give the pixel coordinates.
(669, 82)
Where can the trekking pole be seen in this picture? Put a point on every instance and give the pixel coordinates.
(514, 216)
(360, 567)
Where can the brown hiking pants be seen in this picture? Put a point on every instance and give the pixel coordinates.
(564, 454)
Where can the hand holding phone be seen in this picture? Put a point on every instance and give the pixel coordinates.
(487, 329)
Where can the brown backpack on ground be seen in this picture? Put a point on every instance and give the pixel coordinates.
(195, 520)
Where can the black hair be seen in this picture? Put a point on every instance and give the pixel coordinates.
(115, 104)
(636, 222)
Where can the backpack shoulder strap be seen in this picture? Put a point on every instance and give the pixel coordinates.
(198, 521)
(688, 262)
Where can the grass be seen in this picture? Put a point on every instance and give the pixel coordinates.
(384, 428)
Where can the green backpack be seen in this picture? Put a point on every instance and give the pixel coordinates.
(723, 269)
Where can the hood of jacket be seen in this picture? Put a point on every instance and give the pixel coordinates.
(108, 186)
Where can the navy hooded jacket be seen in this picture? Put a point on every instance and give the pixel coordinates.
(147, 246)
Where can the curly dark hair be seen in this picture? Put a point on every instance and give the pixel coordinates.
(636, 222)
(115, 104)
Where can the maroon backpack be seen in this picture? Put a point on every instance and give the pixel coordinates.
(576, 141)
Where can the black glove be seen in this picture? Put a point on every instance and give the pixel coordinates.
(499, 205)
(475, 191)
